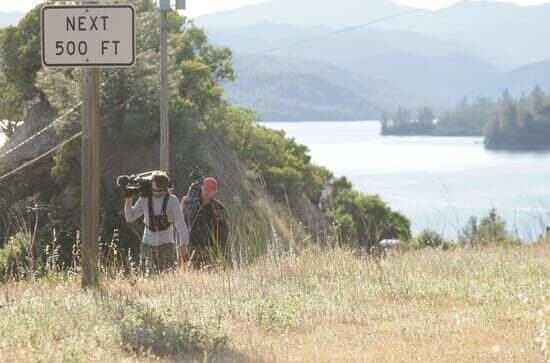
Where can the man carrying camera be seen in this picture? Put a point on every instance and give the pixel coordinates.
(160, 210)
(208, 225)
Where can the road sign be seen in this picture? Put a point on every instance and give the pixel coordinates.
(88, 36)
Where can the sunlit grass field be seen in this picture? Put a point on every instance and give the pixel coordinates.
(317, 305)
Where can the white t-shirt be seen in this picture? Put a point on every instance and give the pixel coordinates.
(173, 212)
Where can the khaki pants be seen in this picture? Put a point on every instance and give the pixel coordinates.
(155, 259)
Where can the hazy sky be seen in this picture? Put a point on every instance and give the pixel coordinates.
(199, 7)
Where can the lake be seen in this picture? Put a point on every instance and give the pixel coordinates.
(437, 182)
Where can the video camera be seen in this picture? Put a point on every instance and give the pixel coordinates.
(134, 185)
(193, 194)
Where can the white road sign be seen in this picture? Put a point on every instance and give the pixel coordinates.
(88, 36)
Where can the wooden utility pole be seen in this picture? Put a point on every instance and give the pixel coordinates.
(69, 44)
(89, 203)
(164, 123)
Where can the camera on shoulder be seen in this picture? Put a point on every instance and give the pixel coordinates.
(134, 185)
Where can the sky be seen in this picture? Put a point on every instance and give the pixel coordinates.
(201, 7)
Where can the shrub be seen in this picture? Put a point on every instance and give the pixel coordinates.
(144, 330)
(491, 230)
(12, 257)
(430, 238)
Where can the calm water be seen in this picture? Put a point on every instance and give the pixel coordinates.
(437, 182)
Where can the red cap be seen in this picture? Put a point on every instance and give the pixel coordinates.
(210, 184)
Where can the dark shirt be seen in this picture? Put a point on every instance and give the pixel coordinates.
(209, 227)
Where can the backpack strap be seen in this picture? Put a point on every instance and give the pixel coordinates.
(151, 226)
(165, 203)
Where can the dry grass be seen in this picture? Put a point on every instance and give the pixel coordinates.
(319, 305)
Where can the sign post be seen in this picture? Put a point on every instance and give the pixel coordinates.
(89, 198)
(89, 36)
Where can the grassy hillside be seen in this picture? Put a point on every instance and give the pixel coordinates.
(317, 305)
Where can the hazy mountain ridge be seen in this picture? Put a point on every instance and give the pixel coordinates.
(298, 97)
(327, 44)
(382, 70)
(303, 13)
(503, 33)
(434, 56)
(430, 76)
(429, 57)
(284, 89)
(518, 81)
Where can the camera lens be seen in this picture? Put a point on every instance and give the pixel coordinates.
(122, 180)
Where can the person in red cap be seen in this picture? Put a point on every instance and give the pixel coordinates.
(208, 227)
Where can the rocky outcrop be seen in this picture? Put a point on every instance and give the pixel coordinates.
(37, 116)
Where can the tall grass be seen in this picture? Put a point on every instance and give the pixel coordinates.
(284, 299)
(313, 304)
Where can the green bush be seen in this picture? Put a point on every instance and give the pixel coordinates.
(362, 219)
(430, 238)
(491, 230)
(142, 329)
(12, 257)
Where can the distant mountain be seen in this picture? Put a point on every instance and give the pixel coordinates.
(301, 97)
(327, 44)
(304, 13)
(441, 79)
(10, 17)
(518, 81)
(298, 89)
(418, 64)
(504, 34)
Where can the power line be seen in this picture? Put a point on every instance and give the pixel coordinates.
(40, 132)
(292, 45)
(340, 31)
(52, 123)
(30, 162)
(41, 156)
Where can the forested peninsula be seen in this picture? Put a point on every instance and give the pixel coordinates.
(507, 124)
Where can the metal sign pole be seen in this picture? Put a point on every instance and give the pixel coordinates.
(164, 123)
(89, 202)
